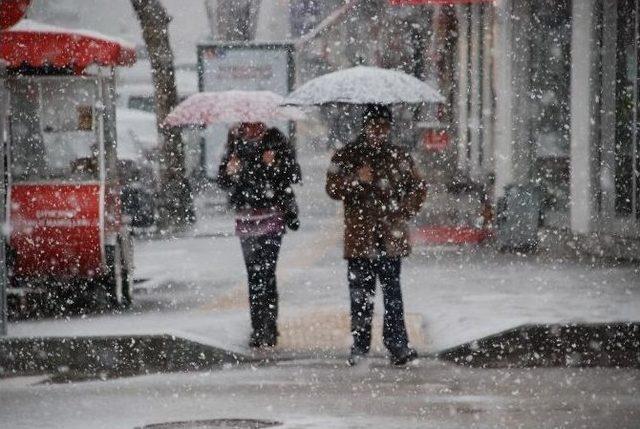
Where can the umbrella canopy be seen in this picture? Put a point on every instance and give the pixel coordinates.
(207, 108)
(364, 85)
(34, 44)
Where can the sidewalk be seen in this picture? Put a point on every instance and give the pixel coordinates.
(195, 287)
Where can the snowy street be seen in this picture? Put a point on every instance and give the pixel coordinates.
(320, 214)
(195, 286)
(326, 394)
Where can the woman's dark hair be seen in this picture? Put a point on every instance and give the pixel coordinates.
(275, 139)
(232, 138)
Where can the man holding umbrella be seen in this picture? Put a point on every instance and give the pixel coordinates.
(381, 190)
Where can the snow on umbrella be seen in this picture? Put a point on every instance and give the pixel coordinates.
(364, 85)
(207, 108)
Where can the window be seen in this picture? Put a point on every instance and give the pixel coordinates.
(549, 97)
(54, 130)
(627, 182)
(142, 102)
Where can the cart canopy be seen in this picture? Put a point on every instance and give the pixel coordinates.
(32, 44)
(11, 11)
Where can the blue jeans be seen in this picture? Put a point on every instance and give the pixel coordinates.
(362, 275)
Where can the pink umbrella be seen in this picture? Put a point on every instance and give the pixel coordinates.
(207, 108)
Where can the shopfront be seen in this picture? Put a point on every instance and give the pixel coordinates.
(532, 83)
(618, 194)
(604, 126)
(565, 78)
(545, 93)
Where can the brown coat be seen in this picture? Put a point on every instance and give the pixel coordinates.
(376, 212)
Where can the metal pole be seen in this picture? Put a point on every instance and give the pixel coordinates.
(503, 132)
(582, 112)
(475, 104)
(634, 131)
(608, 115)
(462, 12)
(4, 106)
(487, 93)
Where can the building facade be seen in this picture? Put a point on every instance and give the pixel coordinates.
(547, 94)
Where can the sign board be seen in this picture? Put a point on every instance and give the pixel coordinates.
(56, 222)
(243, 66)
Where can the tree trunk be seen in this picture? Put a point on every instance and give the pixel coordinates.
(234, 20)
(176, 199)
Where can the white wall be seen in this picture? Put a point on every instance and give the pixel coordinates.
(582, 117)
(503, 130)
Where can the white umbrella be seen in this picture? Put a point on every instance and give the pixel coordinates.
(207, 108)
(364, 85)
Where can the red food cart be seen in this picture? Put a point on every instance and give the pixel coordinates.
(64, 216)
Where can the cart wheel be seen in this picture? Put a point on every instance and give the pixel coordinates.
(127, 280)
(113, 284)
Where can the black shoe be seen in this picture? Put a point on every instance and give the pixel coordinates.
(263, 339)
(293, 224)
(356, 356)
(404, 356)
(255, 340)
(270, 338)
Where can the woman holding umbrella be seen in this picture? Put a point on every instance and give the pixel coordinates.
(257, 171)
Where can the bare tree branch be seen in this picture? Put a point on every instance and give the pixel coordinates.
(176, 199)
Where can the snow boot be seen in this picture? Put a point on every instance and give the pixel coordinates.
(403, 356)
(356, 356)
(264, 338)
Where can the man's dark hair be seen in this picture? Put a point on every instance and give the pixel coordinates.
(376, 111)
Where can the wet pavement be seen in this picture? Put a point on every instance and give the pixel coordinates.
(328, 394)
(193, 287)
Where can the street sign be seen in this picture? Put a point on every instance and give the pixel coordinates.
(242, 66)
(228, 66)
(435, 140)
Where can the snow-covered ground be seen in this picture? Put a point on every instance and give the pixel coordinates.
(195, 286)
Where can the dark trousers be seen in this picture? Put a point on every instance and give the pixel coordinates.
(362, 275)
(260, 258)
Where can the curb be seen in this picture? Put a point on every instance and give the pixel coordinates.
(605, 345)
(585, 345)
(121, 355)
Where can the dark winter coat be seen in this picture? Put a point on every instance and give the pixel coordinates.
(258, 186)
(376, 214)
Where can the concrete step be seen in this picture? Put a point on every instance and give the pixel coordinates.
(329, 330)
